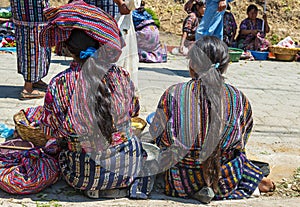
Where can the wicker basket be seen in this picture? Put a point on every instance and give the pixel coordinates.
(27, 132)
(284, 50)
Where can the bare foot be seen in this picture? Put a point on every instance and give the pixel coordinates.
(266, 185)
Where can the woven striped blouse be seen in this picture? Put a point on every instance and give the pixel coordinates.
(183, 115)
(57, 119)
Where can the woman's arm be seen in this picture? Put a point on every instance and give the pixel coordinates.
(248, 32)
(267, 28)
(122, 7)
(160, 119)
(183, 38)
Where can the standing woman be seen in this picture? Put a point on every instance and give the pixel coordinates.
(33, 61)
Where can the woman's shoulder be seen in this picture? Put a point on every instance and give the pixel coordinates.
(234, 91)
(64, 75)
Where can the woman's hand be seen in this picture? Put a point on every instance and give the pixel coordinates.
(254, 32)
(222, 5)
(265, 17)
(123, 9)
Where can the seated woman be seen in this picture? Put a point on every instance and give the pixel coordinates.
(253, 30)
(202, 127)
(150, 50)
(190, 25)
(89, 105)
(229, 28)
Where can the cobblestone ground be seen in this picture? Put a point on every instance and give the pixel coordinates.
(272, 87)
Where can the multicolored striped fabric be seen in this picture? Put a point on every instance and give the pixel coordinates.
(183, 115)
(26, 172)
(57, 110)
(33, 60)
(79, 15)
(115, 167)
(108, 6)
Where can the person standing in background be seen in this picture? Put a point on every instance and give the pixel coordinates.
(212, 21)
(33, 61)
(230, 27)
(112, 7)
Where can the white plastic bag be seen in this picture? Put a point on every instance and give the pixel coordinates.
(286, 42)
(129, 58)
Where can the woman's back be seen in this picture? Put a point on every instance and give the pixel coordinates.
(188, 118)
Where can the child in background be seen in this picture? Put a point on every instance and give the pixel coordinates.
(190, 25)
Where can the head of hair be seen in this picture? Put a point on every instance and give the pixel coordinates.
(92, 72)
(209, 59)
(79, 41)
(250, 7)
(209, 50)
(228, 7)
(196, 5)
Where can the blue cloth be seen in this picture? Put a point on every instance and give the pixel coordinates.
(139, 16)
(5, 132)
(87, 53)
(212, 21)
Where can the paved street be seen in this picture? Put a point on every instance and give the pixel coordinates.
(272, 87)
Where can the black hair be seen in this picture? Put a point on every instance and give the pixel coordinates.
(194, 7)
(250, 7)
(99, 99)
(80, 41)
(209, 57)
(214, 49)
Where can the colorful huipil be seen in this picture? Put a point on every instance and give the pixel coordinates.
(189, 26)
(114, 167)
(33, 60)
(250, 41)
(183, 113)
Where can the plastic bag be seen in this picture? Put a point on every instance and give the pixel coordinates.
(286, 42)
(129, 58)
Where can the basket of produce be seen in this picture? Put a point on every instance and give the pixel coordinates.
(138, 125)
(235, 54)
(31, 132)
(284, 53)
(258, 55)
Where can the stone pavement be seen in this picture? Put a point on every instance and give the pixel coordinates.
(272, 87)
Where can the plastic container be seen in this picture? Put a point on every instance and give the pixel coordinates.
(235, 54)
(259, 55)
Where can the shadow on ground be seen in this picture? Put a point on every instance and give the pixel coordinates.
(10, 91)
(61, 192)
(62, 62)
(167, 71)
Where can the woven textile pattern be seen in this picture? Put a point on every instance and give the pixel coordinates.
(115, 167)
(33, 60)
(184, 110)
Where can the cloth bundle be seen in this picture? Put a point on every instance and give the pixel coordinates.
(28, 171)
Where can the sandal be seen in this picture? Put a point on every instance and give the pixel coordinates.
(40, 85)
(205, 195)
(26, 95)
(109, 193)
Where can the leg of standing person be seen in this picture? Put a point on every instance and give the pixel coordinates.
(32, 60)
(212, 21)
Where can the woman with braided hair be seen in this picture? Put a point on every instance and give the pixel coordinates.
(90, 105)
(202, 127)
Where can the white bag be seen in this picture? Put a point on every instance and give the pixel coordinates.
(129, 58)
